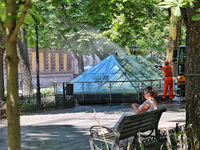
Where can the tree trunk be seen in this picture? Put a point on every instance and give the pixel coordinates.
(10, 36)
(192, 74)
(80, 63)
(2, 50)
(12, 100)
(12, 94)
(93, 60)
(174, 40)
(27, 86)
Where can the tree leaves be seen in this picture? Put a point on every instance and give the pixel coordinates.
(165, 4)
(196, 17)
(74, 25)
(32, 16)
(2, 11)
(176, 11)
(75, 29)
(175, 5)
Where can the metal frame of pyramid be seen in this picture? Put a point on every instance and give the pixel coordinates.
(117, 78)
(118, 74)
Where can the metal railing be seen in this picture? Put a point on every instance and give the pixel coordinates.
(49, 100)
(138, 87)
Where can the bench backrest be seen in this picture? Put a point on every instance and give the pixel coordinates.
(131, 125)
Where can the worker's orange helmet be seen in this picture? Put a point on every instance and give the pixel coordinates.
(166, 62)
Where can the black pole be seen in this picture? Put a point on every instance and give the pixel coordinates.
(37, 67)
(64, 88)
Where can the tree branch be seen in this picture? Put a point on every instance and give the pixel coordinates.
(24, 11)
(66, 41)
(63, 6)
(63, 21)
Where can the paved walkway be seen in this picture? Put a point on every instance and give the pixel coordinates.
(68, 129)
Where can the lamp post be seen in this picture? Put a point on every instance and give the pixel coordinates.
(134, 48)
(37, 67)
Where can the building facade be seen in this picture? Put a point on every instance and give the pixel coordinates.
(54, 66)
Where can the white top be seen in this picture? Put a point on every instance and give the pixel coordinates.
(151, 105)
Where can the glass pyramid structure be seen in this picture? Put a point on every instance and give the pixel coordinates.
(118, 74)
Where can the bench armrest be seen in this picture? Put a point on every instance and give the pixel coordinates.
(95, 127)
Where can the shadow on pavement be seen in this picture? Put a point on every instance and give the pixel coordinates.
(50, 137)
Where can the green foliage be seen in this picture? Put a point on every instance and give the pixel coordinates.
(2, 46)
(176, 5)
(2, 12)
(197, 16)
(32, 17)
(48, 91)
(128, 25)
(78, 26)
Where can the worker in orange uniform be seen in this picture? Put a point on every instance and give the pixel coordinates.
(168, 80)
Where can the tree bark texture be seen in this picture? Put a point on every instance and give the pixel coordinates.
(2, 50)
(10, 35)
(174, 40)
(27, 86)
(80, 63)
(12, 100)
(192, 74)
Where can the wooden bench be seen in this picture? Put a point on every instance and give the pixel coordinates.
(128, 127)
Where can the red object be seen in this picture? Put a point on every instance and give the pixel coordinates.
(166, 62)
(167, 70)
(168, 82)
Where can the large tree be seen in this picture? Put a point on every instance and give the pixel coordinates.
(10, 31)
(192, 73)
(189, 10)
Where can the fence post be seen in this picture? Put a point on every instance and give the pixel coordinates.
(64, 91)
(55, 92)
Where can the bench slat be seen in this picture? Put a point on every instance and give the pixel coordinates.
(131, 125)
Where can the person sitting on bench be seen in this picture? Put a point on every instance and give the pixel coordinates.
(149, 104)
